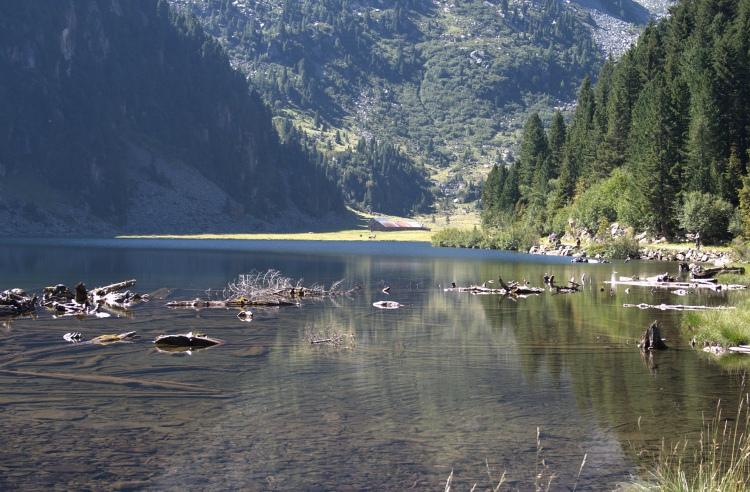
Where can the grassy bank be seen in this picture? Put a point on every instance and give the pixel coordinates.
(719, 461)
(725, 328)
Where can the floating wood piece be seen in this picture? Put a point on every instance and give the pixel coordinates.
(502, 284)
(387, 304)
(478, 289)
(239, 303)
(651, 339)
(81, 294)
(16, 302)
(194, 340)
(336, 339)
(675, 307)
(127, 337)
(700, 272)
(103, 291)
(742, 349)
(695, 284)
(514, 288)
(571, 288)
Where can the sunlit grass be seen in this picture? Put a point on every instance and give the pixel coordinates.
(718, 462)
(727, 328)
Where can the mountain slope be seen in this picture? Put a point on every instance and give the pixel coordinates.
(448, 82)
(100, 102)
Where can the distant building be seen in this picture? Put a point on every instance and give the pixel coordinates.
(381, 224)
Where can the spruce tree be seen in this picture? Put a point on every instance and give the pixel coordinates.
(534, 147)
(557, 132)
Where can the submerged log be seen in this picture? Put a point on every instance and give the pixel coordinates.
(103, 291)
(16, 302)
(569, 289)
(651, 339)
(514, 288)
(77, 338)
(237, 303)
(676, 307)
(194, 340)
(695, 284)
(700, 272)
(83, 302)
(387, 304)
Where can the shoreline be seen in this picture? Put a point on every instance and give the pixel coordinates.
(346, 235)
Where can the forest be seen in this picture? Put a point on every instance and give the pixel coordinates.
(660, 143)
(83, 85)
(446, 84)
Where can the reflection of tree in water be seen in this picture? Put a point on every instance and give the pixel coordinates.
(591, 338)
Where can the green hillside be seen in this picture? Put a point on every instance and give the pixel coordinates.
(110, 111)
(447, 83)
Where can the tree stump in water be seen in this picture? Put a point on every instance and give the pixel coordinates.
(651, 339)
(81, 294)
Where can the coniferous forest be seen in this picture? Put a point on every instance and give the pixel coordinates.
(437, 90)
(660, 143)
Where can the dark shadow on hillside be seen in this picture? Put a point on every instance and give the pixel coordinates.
(343, 221)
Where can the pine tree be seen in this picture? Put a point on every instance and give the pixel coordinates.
(557, 132)
(651, 160)
(534, 147)
(579, 147)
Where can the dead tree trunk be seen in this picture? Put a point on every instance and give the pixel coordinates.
(651, 339)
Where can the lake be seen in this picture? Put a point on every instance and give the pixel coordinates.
(476, 385)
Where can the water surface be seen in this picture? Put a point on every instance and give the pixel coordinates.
(449, 382)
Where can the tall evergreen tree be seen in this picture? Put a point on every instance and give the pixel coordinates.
(534, 149)
(651, 160)
(580, 148)
(556, 139)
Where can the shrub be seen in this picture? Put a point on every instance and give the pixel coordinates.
(517, 237)
(454, 237)
(705, 213)
(622, 247)
(740, 250)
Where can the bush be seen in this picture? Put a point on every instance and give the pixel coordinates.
(559, 221)
(454, 237)
(598, 203)
(740, 250)
(707, 214)
(517, 237)
(622, 247)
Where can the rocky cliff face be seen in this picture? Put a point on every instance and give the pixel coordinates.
(121, 117)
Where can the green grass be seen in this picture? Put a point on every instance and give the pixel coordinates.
(727, 328)
(718, 462)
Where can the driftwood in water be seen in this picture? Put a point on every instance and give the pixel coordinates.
(77, 338)
(557, 289)
(122, 381)
(16, 302)
(700, 272)
(103, 291)
(236, 303)
(675, 307)
(695, 284)
(194, 340)
(82, 302)
(387, 304)
(651, 339)
(514, 288)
